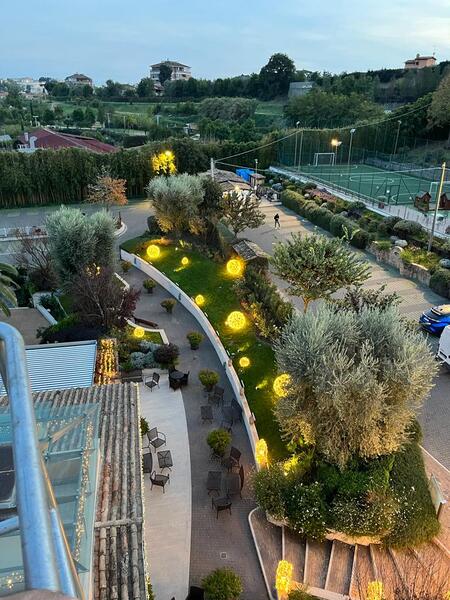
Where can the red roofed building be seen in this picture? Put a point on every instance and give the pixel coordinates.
(44, 138)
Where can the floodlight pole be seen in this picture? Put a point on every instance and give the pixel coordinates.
(352, 131)
(438, 198)
(300, 150)
(212, 168)
(296, 141)
(396, 138)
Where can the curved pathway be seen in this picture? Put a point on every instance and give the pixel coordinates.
(226, 541)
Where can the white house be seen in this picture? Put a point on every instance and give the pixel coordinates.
(179, 71)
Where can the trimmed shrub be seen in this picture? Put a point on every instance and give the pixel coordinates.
(168, 304)
(166, 354)
(147, 346)
(408, 229)
(144, 426)
(360, 239)
(68, 330)
(137, 360)
(222, 584)
(270, 487)
(440, 282)
(208, 379)
(149, 285)
(195, 338)
(391, 222)
(218, 440)
(337, 225)
(149, 360)
(382, 229)
(126, 266)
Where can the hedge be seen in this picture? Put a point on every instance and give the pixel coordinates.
(62, 176)
(440, 282)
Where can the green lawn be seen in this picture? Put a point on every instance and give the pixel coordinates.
(209, 278)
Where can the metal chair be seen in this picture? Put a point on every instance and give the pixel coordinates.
(147, 462)
(159, 479)
(233, 460)
(156, 438)
(223, 503)
(216, 395)
(153, 381)
(227, 418)
(206, 413)
(185, 379)
(235, 482)
(236, 409)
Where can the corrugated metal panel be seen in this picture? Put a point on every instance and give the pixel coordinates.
(60, 366)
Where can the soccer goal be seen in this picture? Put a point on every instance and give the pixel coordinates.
(434, 188)
(324, 158)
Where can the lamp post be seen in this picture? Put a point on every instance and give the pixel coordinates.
(296, 140)
(396, 138)
(352, 131)
(438, 198)
(300, 149)
(335, 143)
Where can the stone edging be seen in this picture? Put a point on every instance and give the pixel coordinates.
(36, 297)
(208, 329)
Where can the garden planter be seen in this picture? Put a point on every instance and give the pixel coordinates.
(278, 523)
(134, 376)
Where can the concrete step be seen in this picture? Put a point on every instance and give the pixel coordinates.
(294, 552)
(435, 564)
(363, 572)
(340, 568)
(386, 570)
(316, 563)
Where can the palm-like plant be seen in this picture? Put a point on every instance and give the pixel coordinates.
(7, 295)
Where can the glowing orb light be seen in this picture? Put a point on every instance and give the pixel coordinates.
(261, 452)
(185, 261)
(281, 383)
(199, 300)
(375, 590)
(283, 577)
(153, 251)
(235, 267)
(244, 362)
(139, 332)
(236, 320)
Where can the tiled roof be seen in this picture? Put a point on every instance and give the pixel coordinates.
(60, 366)
(170, 63)
(118, 554)
(48, 138)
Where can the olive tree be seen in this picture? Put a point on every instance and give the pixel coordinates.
(316, 266)
(176, 201)
(241, 210)
(356, 381)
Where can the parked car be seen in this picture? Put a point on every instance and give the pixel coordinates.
(435, 319)
(443, 353)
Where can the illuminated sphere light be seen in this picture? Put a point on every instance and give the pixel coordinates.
(244, 362)
(280, 384)
(236, 320)
(199, 300)
(185, 261)
(235, 267)
(261, 452)
(139, 332)
(153, 251)
(283, 577)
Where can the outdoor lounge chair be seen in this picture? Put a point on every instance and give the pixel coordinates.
(236, 409)
(152, 381)
(235, 482)
(159, 479)
(233, 460)
(156, 438)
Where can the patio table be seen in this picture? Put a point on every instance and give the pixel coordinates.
(165, 460)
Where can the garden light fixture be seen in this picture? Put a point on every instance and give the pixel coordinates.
(153, 251)
(281, 383)
(244, 362)
(236, 320)
(199, 300)
(235, 267)
(261, 452)
(185, 261)
(283, 577)
(139, 332)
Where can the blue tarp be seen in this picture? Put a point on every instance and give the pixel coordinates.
(245, 174)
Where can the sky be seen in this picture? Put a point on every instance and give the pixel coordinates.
(117, 39)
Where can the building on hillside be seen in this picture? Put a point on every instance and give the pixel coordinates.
(179, 71)
(44, 137)
(30, 86)
(300, 88)
(420, 62)
(229, 181)
(79, 79)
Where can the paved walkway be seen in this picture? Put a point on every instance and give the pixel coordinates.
(27, 321)
(226, 541)
(168, 513)
(435, 415)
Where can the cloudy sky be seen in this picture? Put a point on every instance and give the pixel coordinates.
(118, 40)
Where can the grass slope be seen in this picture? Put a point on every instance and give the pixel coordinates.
(209, 278)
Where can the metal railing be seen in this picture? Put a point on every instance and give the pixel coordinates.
(47, 561)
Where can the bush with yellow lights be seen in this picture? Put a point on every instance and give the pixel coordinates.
(107, 364)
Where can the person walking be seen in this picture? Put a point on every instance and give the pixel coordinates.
(276, 218)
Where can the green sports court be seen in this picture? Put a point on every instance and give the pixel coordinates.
(376, 184)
